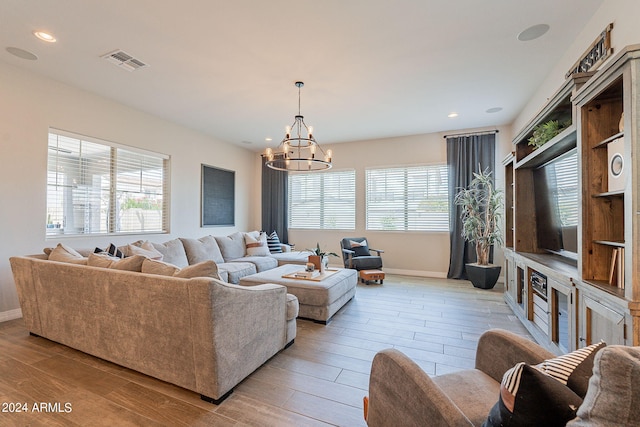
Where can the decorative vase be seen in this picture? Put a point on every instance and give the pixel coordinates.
(316, 260)
(483, 276)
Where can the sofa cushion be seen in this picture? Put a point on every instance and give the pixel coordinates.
(473, 392)
(104, 260)
(202, 269)
(173, 252)
(262, 263)
(144, 248)
(292, 257)
(232, 246)
(529, 397)
(202, 249)
(256, 244)
(273, 242)
(236, 270)
(573, 369)
(63, 253)
(613, 398)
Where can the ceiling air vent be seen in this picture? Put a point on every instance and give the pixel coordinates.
(124, 60)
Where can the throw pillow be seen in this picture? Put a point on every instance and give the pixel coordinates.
(104, 260)
(273, 243)
(231, 246)
(612, 399)
(202, 269)
(203, 249)
(172, 252)
(573, 369)
(529, 397)
(360, 248)
(111, 250)
(63, 253)
(256, 244)
(161, 268)
(144, 248)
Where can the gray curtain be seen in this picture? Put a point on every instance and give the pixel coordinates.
(466, 154)
(275, 189)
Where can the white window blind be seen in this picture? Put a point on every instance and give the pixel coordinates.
(325, 201)
(97, 187)
(566, 179)
(407, 199)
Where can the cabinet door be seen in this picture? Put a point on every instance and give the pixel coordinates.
(600, 322)
(562, 327)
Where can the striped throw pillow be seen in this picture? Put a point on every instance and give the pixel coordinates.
(573, 369)
(273, 242)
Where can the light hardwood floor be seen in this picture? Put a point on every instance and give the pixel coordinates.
(318, 381)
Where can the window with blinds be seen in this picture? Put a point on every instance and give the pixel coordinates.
(565, 177)
(407, 199)
(324, 201)
(98, 187)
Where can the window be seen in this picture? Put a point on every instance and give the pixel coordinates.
(97, 187)
(325, 200)
(408, 199)
(565, 191)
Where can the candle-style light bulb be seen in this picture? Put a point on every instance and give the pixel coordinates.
(329, 155)
(310, 132)
(287, 132)
(312, 148)
(269, 153)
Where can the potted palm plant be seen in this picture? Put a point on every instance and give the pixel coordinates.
(481, 207)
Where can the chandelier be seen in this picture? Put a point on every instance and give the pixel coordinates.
(298, 151)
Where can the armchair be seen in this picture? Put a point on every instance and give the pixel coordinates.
(356, 254)
(402, 394)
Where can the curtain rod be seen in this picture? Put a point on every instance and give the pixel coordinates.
(473, 133)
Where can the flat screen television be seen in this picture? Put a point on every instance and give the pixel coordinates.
(557, 203)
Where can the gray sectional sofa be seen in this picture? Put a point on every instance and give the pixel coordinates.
(192, 330)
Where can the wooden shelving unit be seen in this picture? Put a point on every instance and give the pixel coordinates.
(609, 222)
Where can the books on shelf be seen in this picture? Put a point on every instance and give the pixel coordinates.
(616, 270)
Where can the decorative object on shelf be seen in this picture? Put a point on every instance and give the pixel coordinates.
(621, 123)
(617, 171)
(319, 258)
(298, 152)
(595, 55)
(544, 132)
(481, 209)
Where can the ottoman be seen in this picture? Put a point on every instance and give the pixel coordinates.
(318, 299)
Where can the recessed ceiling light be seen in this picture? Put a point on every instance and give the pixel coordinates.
(21, 53)
(494, 109)
(268, 139)
(452, 115)
(533, 32)
(45, 37)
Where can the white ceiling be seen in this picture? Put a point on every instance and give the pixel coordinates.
(371, 68)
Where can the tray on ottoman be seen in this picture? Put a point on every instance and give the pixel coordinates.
(319, 300)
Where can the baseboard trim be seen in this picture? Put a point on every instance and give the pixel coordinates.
(418, 273)
(10, 315)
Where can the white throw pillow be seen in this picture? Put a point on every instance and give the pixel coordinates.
(256, 244)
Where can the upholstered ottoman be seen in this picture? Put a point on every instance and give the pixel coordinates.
(318, 299)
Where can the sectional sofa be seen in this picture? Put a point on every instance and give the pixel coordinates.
(173, 319)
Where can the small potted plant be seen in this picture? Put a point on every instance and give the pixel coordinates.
(481, 207)
(319, 258)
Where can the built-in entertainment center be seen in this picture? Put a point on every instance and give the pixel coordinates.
(572, 212)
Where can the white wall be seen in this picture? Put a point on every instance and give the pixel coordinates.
(415, 253)
(30, 104)
(626, 31)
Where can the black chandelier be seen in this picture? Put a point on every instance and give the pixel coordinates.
(298, 151)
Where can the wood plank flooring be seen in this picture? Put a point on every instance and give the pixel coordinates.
(319, 381)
